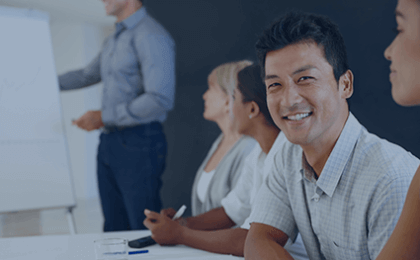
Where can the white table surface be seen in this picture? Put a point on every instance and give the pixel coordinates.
(81, 247)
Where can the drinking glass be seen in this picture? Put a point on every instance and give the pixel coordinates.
(111, 248)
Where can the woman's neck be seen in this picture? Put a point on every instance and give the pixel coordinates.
(265, 135)
(229, 134)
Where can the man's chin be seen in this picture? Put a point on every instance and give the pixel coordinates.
(296, 139)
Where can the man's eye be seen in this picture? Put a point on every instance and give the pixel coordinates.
(273, 85)
(304, 78)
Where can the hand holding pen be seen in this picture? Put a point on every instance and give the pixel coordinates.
(174, 215)
(148, 240)
(165, 231)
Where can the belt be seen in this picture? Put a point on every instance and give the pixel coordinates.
(107, 129)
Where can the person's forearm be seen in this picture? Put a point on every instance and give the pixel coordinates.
(226, 241)
(257, 249)
(214, 219)
(265, 242)
(76, 80)
(147, 107)
(81, 78)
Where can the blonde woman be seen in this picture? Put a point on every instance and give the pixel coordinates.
(220, 170)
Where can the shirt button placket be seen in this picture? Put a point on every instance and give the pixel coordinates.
(315, 211)
(317, 194)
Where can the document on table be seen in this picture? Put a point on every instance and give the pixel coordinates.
(197, 257)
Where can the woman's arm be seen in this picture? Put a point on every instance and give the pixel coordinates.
(214, 219)
(168, 232)
(404, 242)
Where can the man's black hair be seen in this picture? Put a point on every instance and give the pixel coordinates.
(297, 27)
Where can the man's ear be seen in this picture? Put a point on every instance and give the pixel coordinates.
(345, 84)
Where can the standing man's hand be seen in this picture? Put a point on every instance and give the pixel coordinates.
(91, 120)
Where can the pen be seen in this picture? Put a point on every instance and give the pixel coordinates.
(179, 213)
(138, 252)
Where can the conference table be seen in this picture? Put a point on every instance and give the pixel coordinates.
(81, 247)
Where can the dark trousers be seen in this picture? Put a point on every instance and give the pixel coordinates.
(130, 164)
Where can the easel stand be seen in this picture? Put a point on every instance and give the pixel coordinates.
(70, 220)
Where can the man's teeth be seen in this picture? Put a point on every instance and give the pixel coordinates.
(298, 116)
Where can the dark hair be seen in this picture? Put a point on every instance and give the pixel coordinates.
(297, 27)
(252, 88)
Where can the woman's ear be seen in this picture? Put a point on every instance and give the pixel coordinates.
(228, 101)
(254, 109)
(345, 84)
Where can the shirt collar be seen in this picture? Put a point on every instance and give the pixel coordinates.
(307, 171)
(134, 19)
(340, 155)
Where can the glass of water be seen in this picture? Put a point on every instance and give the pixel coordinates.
(111, 248)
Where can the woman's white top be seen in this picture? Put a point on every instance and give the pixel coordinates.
(225, 177)
(238, 203)
(203, 184)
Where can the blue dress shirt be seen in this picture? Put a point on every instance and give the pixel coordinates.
(137, 68)
(353, 207)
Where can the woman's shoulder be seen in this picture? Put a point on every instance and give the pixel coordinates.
(247, 141)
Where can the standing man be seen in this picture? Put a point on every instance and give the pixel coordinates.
(341, 187)
(137, 68)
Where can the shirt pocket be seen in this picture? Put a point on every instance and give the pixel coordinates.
(343, 251)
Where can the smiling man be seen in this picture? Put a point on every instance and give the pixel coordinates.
(339, 186)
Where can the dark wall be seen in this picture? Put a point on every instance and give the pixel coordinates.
(211, 32)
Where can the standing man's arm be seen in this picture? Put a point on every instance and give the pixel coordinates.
(156, 57)
(90, 75)
(81, 78)
(265, 242)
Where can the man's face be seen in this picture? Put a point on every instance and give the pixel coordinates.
(303, 97)
(114, 7)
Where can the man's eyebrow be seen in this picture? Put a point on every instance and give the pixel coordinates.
(267, 77)
(304, 68)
